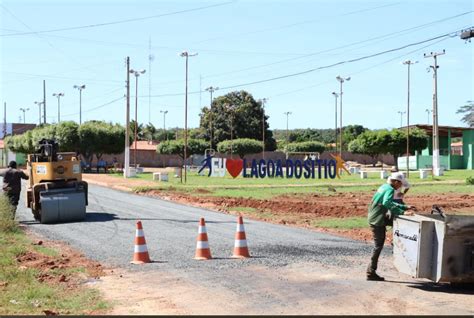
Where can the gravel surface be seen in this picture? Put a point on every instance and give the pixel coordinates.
(171, 228)
(292, 271)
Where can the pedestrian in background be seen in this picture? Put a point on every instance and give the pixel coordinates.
(381, 203)
(12, 183)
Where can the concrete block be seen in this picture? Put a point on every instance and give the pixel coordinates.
(383, 174)
(423, 174)
(156, 176)
(363, 174)
(163, 177)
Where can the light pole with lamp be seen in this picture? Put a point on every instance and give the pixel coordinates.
(24, 110)
(59, 95)
(263, 101)
(408, 63)
(211, 90)
(287, 137)
(336, 95)
(137, 74)
(186, 55)
(341, 80)
(80, 88)
(401, 117)
(164, 122)
(39, 105)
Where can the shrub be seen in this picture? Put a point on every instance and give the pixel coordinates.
(306, 146)
(242, 146)
(7, 215)
(470, 180)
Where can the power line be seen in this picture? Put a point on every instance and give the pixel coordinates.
(294, 24)
(325, 66)
(118, 21)
(97, 107)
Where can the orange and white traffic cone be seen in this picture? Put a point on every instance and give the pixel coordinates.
(240, 246)
(140, 255)
(202, 245)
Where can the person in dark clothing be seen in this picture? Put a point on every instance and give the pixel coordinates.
(12, 183)
(381, 203)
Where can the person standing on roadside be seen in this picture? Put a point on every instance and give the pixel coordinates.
(381, 203)
(12, 183)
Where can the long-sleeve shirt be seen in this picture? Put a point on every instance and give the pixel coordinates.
(381, 203)
(12, 180)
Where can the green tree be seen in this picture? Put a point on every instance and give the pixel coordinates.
(397, 145)
(149, 131)
(372, 143)
(140, 131)
(241, 112)
(176, 147)
(99, 138)
(468, 111)
(306, 146)
(350, 133)
(242, 146)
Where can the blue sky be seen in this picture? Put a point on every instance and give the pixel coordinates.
(238, 42)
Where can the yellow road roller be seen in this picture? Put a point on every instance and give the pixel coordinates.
(56, 192)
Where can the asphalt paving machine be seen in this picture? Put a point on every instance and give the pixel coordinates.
(56, 192)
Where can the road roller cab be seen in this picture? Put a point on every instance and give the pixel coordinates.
(56, 192)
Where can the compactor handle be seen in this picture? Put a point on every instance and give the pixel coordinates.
(436, 209)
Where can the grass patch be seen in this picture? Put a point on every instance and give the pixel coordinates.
(21, 293)
(342, 223)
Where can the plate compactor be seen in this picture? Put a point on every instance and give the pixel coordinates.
(56, 192)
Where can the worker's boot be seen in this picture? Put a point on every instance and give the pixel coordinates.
(373, 276)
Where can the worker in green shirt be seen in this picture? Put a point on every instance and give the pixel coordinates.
(381, 203)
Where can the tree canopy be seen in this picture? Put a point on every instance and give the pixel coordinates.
(242, 146)
(176, 147)
(239, 114)
(306, 146)
(468, 111)
(89, 139)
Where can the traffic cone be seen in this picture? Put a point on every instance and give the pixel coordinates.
(140, 255)
(240, 246)
(202, 245)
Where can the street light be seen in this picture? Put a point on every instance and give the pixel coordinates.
(287, 139)
(24, 110)
(211, 90)
(39, 105)
(428, 111)
(137, 74)
(164, 122)
(263, 101)
(59, 95)
(408, 63)
(336, 95)
(401, 118)
(341, 80)
(186, 55)
(80, 88)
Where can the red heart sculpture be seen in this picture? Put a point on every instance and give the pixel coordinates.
(234, 166)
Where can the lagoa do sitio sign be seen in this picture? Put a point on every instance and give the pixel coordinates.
(307, 169)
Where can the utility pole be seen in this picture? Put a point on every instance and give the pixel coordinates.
(44, 100)
(151, 58)
(336, 95)
(186, 55)
(59, 95)
(341, 80)
(24, 110)
(127, 125)
(264, 100)
(287, 136)
(137, 74)
(436, 159)
(211, 90)
(408, 63)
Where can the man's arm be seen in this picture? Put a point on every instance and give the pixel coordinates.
(388, 203)
(23, 175)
